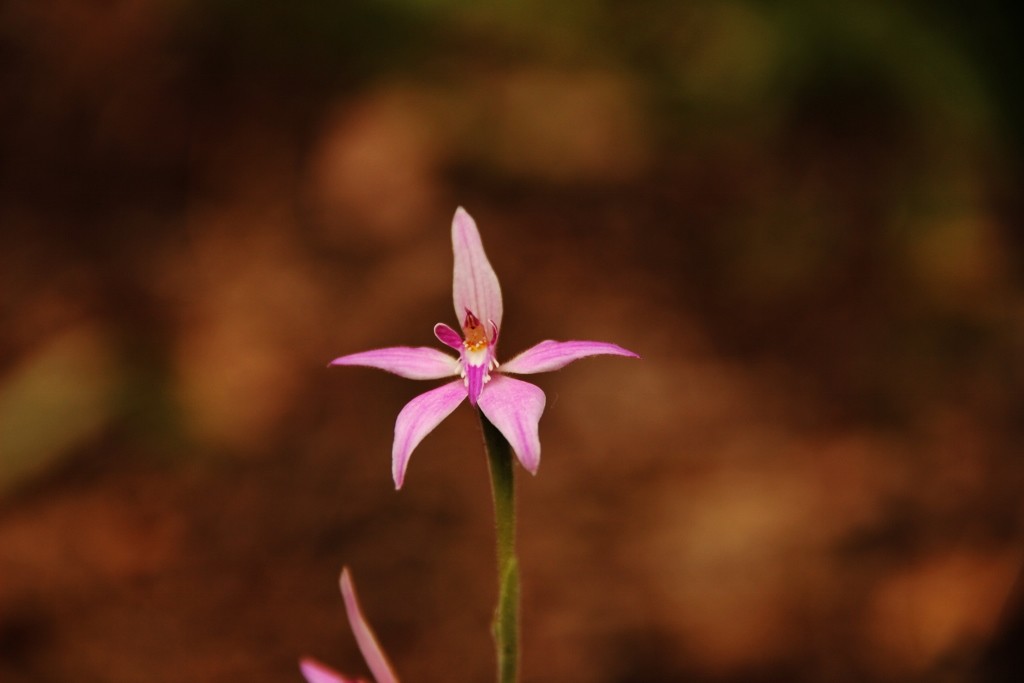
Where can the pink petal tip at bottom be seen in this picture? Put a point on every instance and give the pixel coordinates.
(365, 639)
(315, 672)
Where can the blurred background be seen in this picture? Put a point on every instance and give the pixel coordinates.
(805, 216)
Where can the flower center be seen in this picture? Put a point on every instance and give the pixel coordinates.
(477, 355)
(474, 333)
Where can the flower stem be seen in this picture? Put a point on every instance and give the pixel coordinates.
(506, 616)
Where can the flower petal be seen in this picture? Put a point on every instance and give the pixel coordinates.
(475, 375)
(475, 286)
(447, 336)
(417, 419)
(551, 355)
(368, 645)
(315, 672)
(420, 362)
(515, 407)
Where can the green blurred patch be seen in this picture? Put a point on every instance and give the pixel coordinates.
(54, 400)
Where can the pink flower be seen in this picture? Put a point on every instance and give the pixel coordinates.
(513, 406)
(315, 672)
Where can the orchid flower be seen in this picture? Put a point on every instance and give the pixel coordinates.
(511, 405)
(315, 672)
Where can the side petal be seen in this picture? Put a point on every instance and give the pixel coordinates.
(447, 336)
(315, 672)
(551, 355)
(367, 641)
(515, 407)
(417, 419)
(420, 362)
(475, 286)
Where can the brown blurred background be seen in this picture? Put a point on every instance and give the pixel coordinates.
(804, 215)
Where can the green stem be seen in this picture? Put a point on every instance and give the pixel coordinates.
(506, 616)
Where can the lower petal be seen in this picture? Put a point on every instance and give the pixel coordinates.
(515, 407)
(418, 418)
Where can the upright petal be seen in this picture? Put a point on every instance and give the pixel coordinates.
(374, 656)
(515, 407)
(315, 672)
(420, 362)
(475, 286)
(418, 418)
(551, 355)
